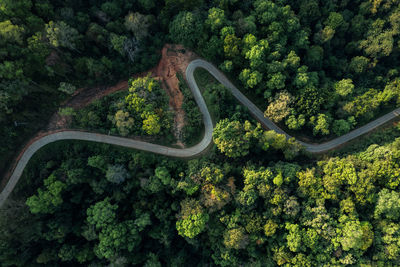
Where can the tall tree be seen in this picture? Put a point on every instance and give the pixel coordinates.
(138, 24)
(60, 34)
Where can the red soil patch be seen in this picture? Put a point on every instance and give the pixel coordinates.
(174, 59)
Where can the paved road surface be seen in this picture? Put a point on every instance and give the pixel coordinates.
(313, 148)
(191, 151)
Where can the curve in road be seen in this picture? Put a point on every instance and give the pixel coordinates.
(186, 152)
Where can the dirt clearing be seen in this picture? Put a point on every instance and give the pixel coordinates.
(175, 59)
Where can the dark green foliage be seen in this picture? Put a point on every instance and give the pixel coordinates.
(307, 48)
(186, 29)
(321, 67)
(241, 211)
(117, 174)
(194, 120)
(44, 43)
(141, 111)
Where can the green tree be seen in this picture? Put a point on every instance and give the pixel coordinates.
(231, 139)
(379, 42)
(175, 6)
(138, 24)
(280, 107)
(20, 9)
(359, 64)
(340, 127)
(272, 138)
(227, 66)
(277, 81)
(67, 88)
(295, 123)
(46, 201)
(256, 54)
(363, 105)
(147, 4)
(249, 40)
(60, 34)
(124, 122)
(294, 237)
(115, 238)
(97, 33)
(292, 60)
(236, 238)
(148, 100)
(192, 219)
(151, 123)
(10, 32)
(355, 235)
(11, 70)
(344, 87)
(88, 119)
(214, 197)
(216, 19)
(163, 174)
(118, 42)
(310, 10)
(11, 93)
(98, 161)
(153, 261)
(249, 78)
(231, 46)
(246, 25)
(111, 8)
(351, 235)
(390, 235)
(102, 213)
(315, 56)
(388, 205)
(117, 174)
(186, 29)
(326, 34)
(321, 124)
(270, 228)
(68, 111)
(335, 21)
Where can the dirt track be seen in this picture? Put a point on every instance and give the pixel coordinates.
(174, 59)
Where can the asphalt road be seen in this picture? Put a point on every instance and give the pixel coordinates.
(259, 115)
(191, 151)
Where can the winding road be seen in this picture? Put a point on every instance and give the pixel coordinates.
(185, 152)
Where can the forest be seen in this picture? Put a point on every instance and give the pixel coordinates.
(318, 69)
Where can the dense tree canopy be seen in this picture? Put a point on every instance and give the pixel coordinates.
(337, 211)
(255, 198)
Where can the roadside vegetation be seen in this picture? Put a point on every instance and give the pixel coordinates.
(193, 130)
(242, 203)
(316, 68)
(50, 48)
(142, 110)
